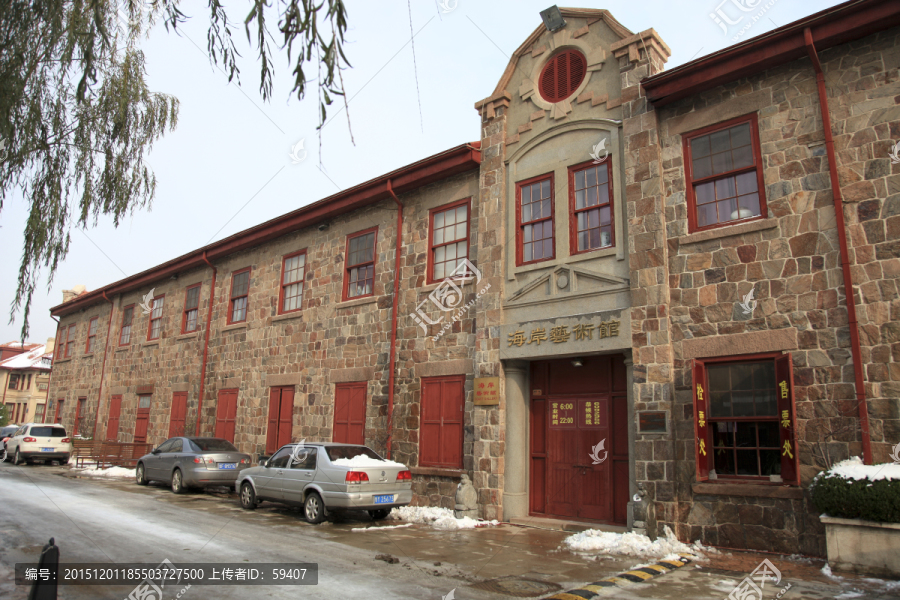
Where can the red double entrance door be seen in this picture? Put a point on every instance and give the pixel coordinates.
(579, 439)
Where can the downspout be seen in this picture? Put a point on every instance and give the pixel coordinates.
(212, 297)
(103, 368)
(845, 260)
(396, 300)
(50, 378)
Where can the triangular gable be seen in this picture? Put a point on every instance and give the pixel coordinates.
(566, 281)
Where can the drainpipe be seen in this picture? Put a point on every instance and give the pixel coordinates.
(845, 260)
(50, 378)
(396, 300)
(103, 368)
(212, 297)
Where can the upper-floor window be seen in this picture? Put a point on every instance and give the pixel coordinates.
(125, 331)
(591, 207)
(240, 290)
(534, 220)
(293, 269)
(359, 275)
(449, 239)
(156, 313)
(13, 384)
(191, 309)
(724, 174)
(70, 341)
(91, 336)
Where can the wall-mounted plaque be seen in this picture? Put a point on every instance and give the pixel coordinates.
(487, 391)
(652, 421)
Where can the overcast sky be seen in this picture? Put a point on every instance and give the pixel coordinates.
(227, 165)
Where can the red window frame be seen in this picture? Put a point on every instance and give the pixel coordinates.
(574, 211)
(691, 182)
(59, 404)
(435, 449)
(432, 246)
(520, 225)
(348, 267)
(301, 282)
(128, 311)
(91, 336)
(39, 409)
(785, 417)
(70, 341)
(189, 309)
(153, 320)
(12, 382)
(232, 298)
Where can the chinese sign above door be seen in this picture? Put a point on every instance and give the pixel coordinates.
(585, 333)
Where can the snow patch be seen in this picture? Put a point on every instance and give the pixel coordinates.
(362, 461)
(853, 468)
(381, 527)
(115, 472)
(826, 571)
(629, 544)
(850, 594)
(439, 518)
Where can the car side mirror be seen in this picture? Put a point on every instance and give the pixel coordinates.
(264, 461)
(154, 451)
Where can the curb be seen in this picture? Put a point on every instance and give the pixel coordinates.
(641, 575)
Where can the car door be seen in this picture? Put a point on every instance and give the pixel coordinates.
(300, 472)
(153, 465)
(167, 462)
(13, 442)
(268, 480)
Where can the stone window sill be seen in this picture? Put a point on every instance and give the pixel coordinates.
(187, 336)
(149, 343)
(748, 490)
(721, 232)
(288, 316)
(62, 360)
(433, 286)
(455, 473)
(234, 326)
(357, 302)
(123, 348)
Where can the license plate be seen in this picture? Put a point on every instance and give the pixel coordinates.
(384, 499)
(228, 465)
(48, 449)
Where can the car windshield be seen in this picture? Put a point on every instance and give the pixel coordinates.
(48, 432)
(336, 452)
(7, 431)
(212, 445)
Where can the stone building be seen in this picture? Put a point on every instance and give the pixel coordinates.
(653, 330)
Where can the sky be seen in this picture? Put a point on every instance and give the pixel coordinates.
(228, 165)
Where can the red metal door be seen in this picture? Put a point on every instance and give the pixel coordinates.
(59, 404)
(441, 430)
(226, 412)
(142, 422)
(350, 413)
(112, 422)
(79, 407)
(281, 418)
(178, 414)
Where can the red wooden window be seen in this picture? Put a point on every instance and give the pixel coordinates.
(10, 412)
(359, 275)
(79, 408)
(591, 207)
(723, 168)
(39, 412)
(441, 431)
(91, 336)
(155, 328)
(70, 341)
(59, 404)
(293, 269)
(240, 289)
(125, 331)
(142, 423)
(449, 226)
(281, 418)
(534, 220)
(191, 310)
(226, 413)
(350, 413)
(112, 422)
(562, 75)
(178, 415)
(13, 383)
(744, 419)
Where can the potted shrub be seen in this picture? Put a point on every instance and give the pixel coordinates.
(860, 506)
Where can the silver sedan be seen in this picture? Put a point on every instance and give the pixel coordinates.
(324, 477)
(187, 462)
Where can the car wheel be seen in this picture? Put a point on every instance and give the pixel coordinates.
(378, 515)
(177, 482)
(3, 454)
(140, 476)
(248, 496)
(314, 508)
(17, 460)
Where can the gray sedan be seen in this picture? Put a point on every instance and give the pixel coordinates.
(323, 477)
(186, 462)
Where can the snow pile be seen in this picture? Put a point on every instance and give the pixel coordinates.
(630, 544)
(115, 472)
(362, 461)
(853, 468)
(439, 518)
(381, 527)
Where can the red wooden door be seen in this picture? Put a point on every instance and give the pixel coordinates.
(350, 413)
(59, 404)
(441, 430)
(142, 422)
(112, 422)
(281, 418)
(178, 414)
(79, 408)
(226, 412)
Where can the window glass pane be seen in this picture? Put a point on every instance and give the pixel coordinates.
(143, 401)
(439, 219)
(545, 208)
(720, 141)
(460, 231)
(722, 162)
(770, 461)
(700, 146)
(725, 188)
(702, 167)
(740, 135)
(591, 177)
(545, 188)
(746, 182)
(705, 193)
(579, 199)
(749, 206)
(747, 462)
(240, 284)
(743, 157)
(193, 298)
(462, 213)
(769, 436)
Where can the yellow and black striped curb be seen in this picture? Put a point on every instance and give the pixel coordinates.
(641, 575)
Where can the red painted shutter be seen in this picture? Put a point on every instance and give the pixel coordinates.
(350, 413)
(452, 395)
(784, 390)
(112, 422)
(430, 429)
(226, 412)
(78, 407)
(178, 414)
(701, 423)
(272, 430)
(357, 429)
(442, 421)
(340, 429)
(286, 416)
(59, 404)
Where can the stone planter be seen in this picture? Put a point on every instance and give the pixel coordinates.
(863, 546)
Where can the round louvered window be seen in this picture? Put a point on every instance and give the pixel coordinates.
(562, 75)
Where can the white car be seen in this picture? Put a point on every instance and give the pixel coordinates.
(41, 441)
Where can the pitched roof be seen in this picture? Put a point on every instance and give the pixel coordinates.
(19, 345)
(36, 359)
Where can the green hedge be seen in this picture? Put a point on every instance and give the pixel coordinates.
(856, 499)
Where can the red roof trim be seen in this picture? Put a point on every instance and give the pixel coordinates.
(837, 25)
(434, 168)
